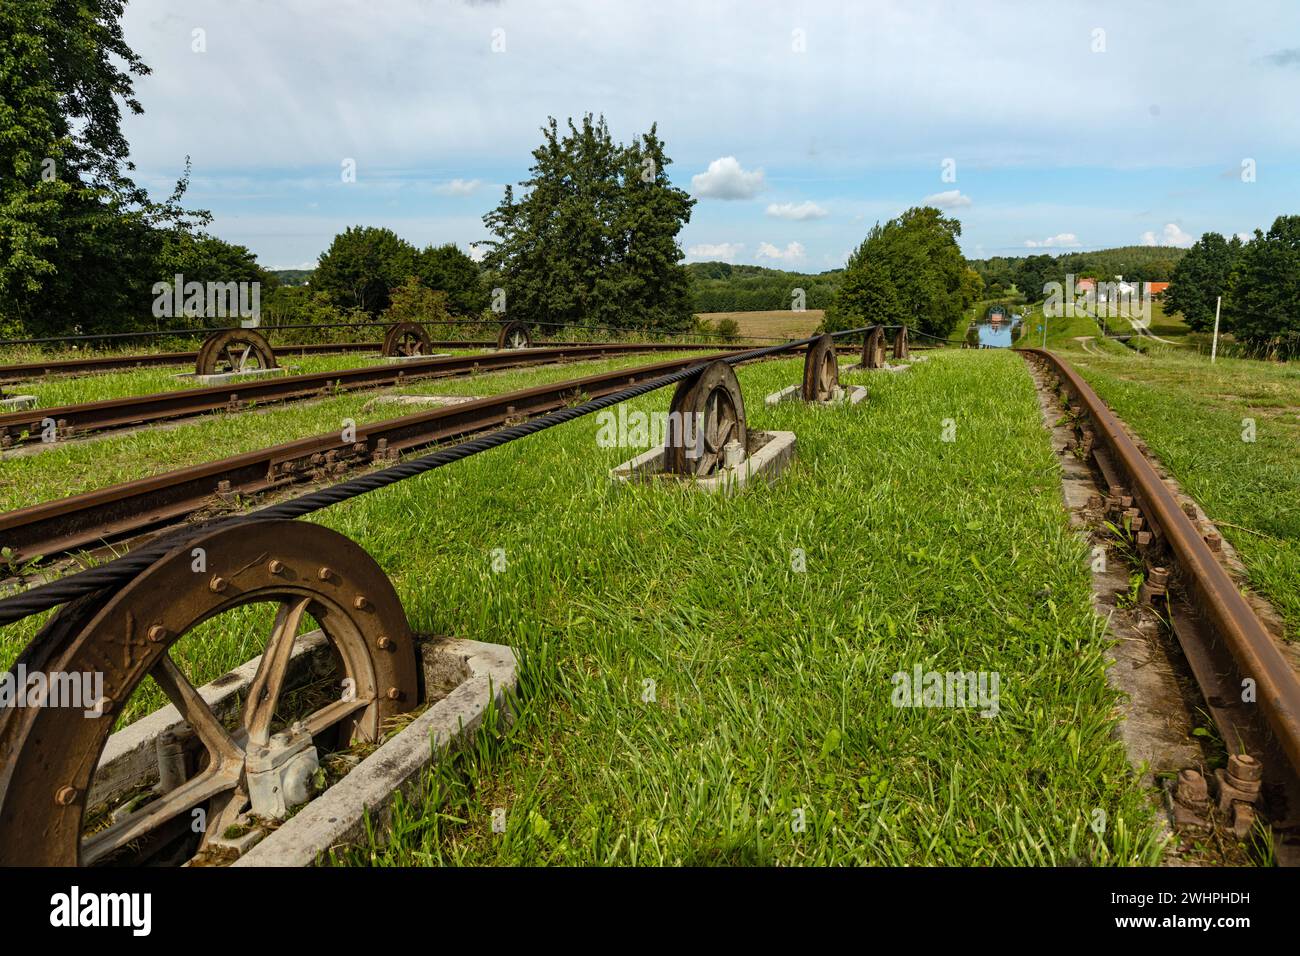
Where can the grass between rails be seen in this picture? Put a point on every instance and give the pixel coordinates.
(74, 390)
(1195, 417)
(80, 466)
(772, 688)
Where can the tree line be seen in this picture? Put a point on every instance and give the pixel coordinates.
(1258, 280)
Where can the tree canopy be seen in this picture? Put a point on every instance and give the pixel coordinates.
(1201, 277)
(590, 238)
(908, 271)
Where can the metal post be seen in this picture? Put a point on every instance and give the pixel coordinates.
(1214, 348)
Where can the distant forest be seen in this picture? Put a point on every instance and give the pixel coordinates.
(1139, 263)
(723, 287)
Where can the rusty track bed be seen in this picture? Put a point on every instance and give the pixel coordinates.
(1224, 641)
(105, 514)
(70, 420)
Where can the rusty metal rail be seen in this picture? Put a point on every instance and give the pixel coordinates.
(1223, 639)
(106, 514)
(68, 421)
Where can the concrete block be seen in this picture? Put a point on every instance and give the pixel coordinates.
(396, 359)
(852, 394)
(767, 456)
(226, 377)
(16, 403)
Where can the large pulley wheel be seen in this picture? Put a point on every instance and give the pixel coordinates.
(253, 586)
(873, 348)
(707, 413)
(821, 370)
(514, 335)
(234, 350)
(405, 339)
(901, 351)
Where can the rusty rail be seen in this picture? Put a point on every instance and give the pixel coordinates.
(1221, 618)
(28, 426)
(105, 514)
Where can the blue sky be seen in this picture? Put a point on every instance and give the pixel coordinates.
(798, 125)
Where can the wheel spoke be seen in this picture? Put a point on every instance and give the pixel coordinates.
(132, 827)
(196, 711)
(264, 692)
(331, 714)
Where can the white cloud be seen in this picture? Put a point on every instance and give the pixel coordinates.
(791, 253)
(724, 251)
(725, 179)
(951, 199)
(1245, 236)
(1062, 240)
(802, 211)
(458, 187)
(477, 251)
(1171, 235)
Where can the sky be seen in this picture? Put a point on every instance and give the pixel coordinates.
(1042, 126)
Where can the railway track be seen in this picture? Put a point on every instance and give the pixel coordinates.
(1250, 689)
(66, 421)
(109, 514)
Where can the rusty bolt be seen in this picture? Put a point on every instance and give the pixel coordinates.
(217, 584)
(385, 643)
(66, 796)
(275, 566)
(1213, 540)
(1192, 789)
(325, 573)
(393, 694)
(1158, 577)
(361, 602)
(1189, 509)
(157, 633)
(1244, 768)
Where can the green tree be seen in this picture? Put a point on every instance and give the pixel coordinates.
(1201, 277)
(593, 240)
(1264, 296)
(910, 270)
(413, 301)
(78, 238)
(446, 268)
(362, 266)
(1033, 273)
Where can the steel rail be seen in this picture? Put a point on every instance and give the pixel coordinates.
(105, 514)
(69, 420)
(1231, 619)
(51, 594)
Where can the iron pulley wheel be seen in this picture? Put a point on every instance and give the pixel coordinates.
(873, 348)
(901, 351)
(234, 350)
(406, 339)
(707, 412)
(821, 371)
(514, 335)
(256, 579)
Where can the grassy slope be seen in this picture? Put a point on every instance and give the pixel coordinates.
(773, 687)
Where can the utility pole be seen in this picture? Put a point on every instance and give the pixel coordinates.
(1214, 348)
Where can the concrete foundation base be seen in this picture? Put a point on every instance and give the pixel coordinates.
(857, 367)
(397, 359)
(16, 403)
(460, 680)
(766, 457)
(852, 394)
(226, 377)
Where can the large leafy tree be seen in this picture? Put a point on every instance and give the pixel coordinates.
(1264, 297)
(1201, 277)
(448, 269)
(592, 239)
(78, 238)
(362, 266)
(1033, 274)
(910, 270)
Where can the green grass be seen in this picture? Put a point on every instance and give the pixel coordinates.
(1191, 414)
(772, 686)
(79, 466)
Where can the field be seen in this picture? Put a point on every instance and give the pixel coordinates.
(778, 323)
